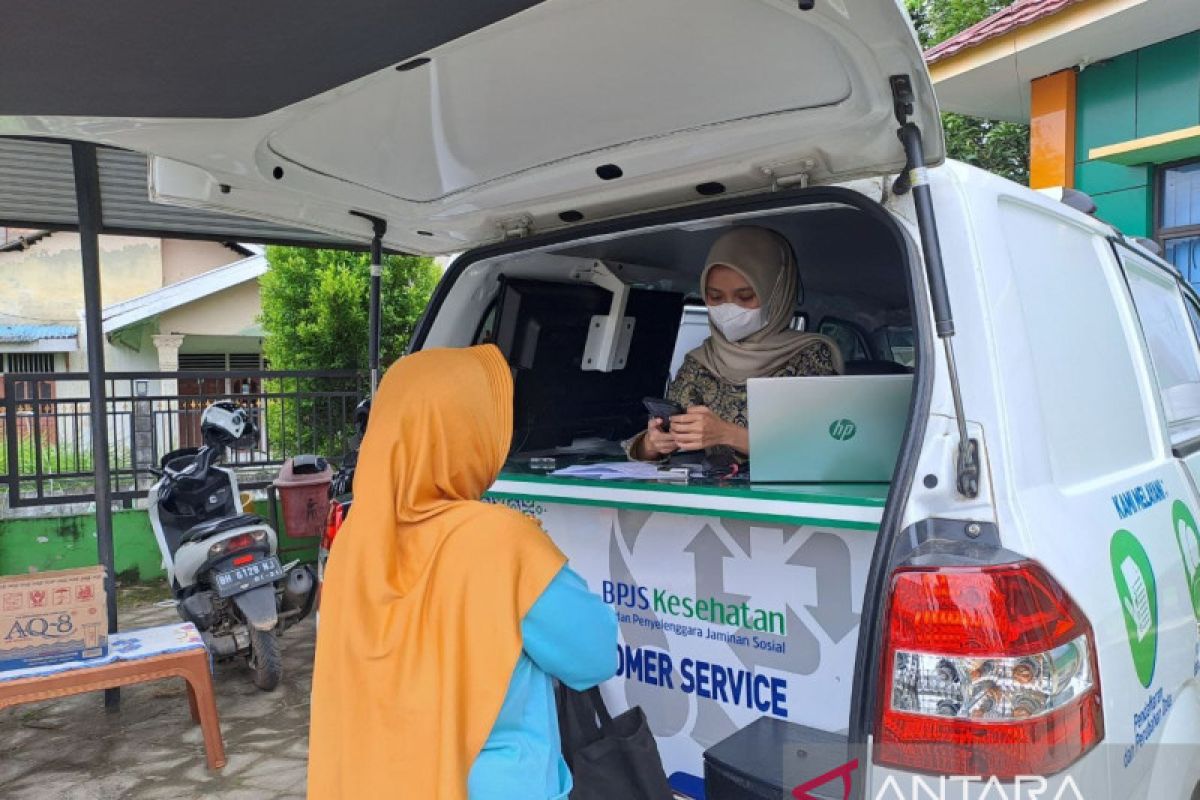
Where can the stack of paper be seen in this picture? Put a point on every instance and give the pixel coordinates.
(611, 471)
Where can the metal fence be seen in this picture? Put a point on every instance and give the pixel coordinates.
(46, 436)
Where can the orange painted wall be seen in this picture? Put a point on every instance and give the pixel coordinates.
(1052, 130)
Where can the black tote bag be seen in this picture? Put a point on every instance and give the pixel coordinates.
(610, 759)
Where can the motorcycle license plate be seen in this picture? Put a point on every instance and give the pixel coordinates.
(248, 576)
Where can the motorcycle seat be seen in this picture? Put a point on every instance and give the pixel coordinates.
(204, 530)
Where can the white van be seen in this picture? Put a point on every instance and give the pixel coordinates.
(1014, 614)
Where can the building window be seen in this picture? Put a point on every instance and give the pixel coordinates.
(29, 364)
(220, 362)
(1179, 218)
(245, 361)
(202, 362)
(196, 393)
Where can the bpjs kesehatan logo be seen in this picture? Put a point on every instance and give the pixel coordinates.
(843, 429)
(662, 602)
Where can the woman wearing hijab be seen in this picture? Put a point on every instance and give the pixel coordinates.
(750, 287)
(444, 620)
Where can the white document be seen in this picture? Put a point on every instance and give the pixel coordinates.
(611, 471)
(1138, 601)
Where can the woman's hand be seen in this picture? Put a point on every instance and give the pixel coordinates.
(700, 429)
(657, 442)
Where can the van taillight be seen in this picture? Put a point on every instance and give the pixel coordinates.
(337, 515)
(986, 671)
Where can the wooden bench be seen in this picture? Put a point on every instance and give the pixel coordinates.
(138, 656)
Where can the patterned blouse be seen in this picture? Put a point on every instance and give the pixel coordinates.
(695, 385)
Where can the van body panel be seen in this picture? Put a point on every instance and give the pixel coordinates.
(1057, 507)
(937, 465)
(601, 108)
(1085, 546)
(939, 454)
(1175, 770)
(1171, 357)
(1053, 292)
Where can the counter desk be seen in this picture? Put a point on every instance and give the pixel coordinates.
(735, 601)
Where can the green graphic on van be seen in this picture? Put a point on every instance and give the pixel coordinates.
(1187, 536)
(1138, 595)
(843, 429)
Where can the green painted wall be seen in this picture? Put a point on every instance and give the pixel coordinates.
(62, 542)
(1142, 93)
(49, 543)
(1168, 86)
(1106, 104)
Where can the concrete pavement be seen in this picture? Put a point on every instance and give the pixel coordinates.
(150, 750)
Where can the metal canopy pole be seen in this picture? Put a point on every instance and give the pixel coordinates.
(374, 314)
(374, 319)
(87, 199)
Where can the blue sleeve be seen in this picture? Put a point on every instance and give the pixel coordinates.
(571, 634)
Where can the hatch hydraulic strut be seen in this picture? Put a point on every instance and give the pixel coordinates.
(915, 178)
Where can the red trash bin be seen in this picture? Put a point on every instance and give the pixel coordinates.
(303, 486)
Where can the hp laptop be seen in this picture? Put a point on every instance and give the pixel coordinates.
(828, 429)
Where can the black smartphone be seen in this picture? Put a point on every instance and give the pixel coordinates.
(663, 409)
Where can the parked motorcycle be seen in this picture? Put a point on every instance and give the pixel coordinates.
(341, 490)
(222, 563)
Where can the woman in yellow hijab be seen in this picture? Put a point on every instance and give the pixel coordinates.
(444, 620)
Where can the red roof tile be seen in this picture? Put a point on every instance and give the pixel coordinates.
(1018, 15)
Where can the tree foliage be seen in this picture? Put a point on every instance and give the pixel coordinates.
(315, 310)
(315, 306)
(999, 147)
(938, 20)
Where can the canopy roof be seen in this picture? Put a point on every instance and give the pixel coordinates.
(37, 190)
(141, 58)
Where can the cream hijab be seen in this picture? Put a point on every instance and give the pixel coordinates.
(765, 259)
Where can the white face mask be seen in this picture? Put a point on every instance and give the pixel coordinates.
(736, 323)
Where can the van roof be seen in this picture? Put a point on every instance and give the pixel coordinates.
(462, 123)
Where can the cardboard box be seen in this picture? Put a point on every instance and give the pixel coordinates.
(52, 617)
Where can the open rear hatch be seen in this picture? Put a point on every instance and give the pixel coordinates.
(477, 121)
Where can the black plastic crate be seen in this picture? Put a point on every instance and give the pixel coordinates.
(770, 757)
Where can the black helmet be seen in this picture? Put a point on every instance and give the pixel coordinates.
(227, 424)
(361, 412)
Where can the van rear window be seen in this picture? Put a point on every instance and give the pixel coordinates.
(1169, 336)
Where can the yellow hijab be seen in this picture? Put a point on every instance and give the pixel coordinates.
(425, 588)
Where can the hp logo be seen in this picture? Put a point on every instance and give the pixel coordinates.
(843, 429)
